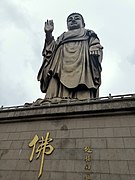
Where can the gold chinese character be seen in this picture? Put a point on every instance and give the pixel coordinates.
(87, 167)
(44, 147)
(33, 144)
(88, 149)
(87, 158)
(87, 177)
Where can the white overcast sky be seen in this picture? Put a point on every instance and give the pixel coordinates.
(22, 38)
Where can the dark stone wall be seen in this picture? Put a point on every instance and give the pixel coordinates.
(106, 126)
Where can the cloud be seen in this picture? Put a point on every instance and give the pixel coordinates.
(13, 14)
(19, 56)
(117, 75)
(131, 58)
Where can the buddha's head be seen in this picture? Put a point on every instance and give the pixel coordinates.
(75, 21)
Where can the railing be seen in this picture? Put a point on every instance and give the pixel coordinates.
(70, 101)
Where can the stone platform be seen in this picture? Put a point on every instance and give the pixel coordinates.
(92, 140)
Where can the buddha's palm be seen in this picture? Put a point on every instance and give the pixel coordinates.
(49, 26)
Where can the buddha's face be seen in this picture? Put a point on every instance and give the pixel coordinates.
(74, 22)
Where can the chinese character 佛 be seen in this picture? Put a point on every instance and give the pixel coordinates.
(44, 148)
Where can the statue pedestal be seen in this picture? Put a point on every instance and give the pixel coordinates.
(91, 140)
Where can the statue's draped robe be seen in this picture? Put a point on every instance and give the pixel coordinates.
(68, 69)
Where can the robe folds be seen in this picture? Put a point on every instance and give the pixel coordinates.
(68, 69)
